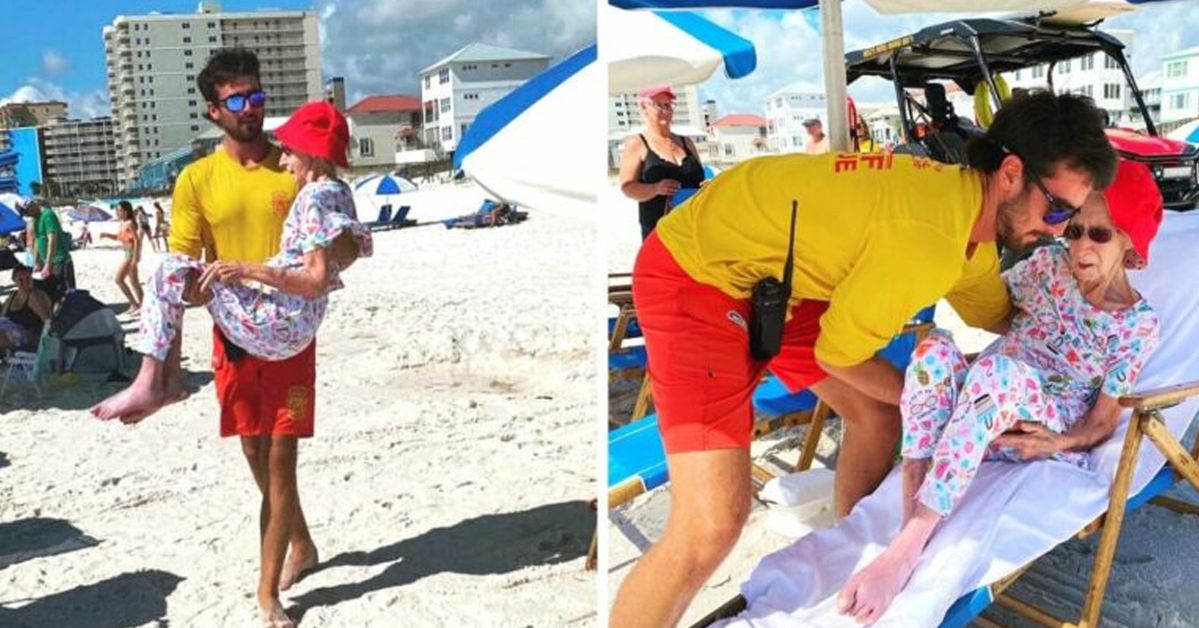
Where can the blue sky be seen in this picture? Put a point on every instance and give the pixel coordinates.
(378, 45)
(789, 50)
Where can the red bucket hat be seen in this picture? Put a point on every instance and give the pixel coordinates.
(1135, 204)
(317, 128)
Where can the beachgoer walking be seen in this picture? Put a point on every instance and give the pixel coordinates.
(131, 246)
(230, 207)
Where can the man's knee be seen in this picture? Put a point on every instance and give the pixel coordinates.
(706, 539)
(254, 449)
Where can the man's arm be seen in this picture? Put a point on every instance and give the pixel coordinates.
(187, 220)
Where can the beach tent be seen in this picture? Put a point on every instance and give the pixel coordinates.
(10, 220)
(833, 35)
(86, 336)
(514, 148)
(644, 49)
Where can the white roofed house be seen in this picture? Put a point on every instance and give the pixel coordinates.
(456, 88)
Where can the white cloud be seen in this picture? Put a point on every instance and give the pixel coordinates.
(380, 46)
(54, 63)
(789, 51)
(79, 104)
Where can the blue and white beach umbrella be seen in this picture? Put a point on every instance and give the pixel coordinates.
(532, 146)
(384, 185)
(649, 48)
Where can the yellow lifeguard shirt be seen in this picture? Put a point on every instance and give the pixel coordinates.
(878, 236)
(229, 211)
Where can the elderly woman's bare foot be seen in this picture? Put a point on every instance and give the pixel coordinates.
(869, 593)
(300, 561)
(136, 400)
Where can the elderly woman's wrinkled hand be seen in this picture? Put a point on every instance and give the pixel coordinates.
(224, 272)
(1032, 441)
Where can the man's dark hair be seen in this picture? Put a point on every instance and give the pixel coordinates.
(223, 66)
(1047, 130)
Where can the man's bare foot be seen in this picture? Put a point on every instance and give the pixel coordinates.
(300, 561)
(914, 472)
(870, 592)
(272, 614)
(177, 390)
(133, 400)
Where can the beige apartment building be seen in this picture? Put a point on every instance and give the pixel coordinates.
(79, 156)
(153, 61)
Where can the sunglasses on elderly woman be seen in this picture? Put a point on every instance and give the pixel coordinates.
(237, 103)
(1098, 235)
(1059, 210)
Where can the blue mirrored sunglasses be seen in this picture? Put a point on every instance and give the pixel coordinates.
(236, 103)
(1059, 210)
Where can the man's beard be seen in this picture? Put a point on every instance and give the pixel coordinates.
(243, 133)
(1005, 221)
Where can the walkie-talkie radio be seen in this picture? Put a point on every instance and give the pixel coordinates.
(768, 309)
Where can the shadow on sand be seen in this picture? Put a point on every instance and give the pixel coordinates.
(130, 599)
(4, 460)
(83, 391)
(490, 544)
(36, 537)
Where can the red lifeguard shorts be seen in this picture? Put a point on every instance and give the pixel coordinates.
(697, 341)
(264, 398)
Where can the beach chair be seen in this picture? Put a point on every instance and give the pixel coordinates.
(28, 364)
(384, 219)
(400, 220)
(1028, 508)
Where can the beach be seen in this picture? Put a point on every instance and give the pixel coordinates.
(447, 483)
(1151, 581)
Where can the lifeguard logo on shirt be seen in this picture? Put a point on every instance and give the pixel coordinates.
(298, 398)
(735, 316)
(280, 202)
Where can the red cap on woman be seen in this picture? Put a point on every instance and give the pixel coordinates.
(317, 128)
(1135, 204)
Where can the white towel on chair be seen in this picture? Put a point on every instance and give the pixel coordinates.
(1013, 513)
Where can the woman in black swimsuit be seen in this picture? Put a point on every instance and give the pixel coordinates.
(657, 163)
(24, 313)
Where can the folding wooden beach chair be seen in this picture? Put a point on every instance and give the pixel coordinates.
(1146, 422)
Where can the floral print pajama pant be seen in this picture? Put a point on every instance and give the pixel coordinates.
(269, 325)
(952, 411)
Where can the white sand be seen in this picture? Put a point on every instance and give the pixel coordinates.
(1152, 582)
(446, 485)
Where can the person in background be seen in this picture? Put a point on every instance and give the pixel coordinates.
(657, 163)
(817, 143)
(53, 270)
(24, 313)
(143, 229)
(126, 277)
(161, 226)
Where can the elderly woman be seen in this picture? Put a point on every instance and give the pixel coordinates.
(25, 312)
(657, 163)
(1048, 388)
